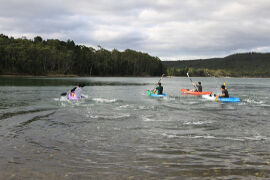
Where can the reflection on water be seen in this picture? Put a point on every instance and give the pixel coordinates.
(118, 132)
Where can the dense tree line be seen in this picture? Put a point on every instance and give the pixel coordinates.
(52, 56)
(237, 65)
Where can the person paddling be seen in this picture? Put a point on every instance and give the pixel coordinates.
(224, 92)
(77, 91)
(198, 87)
(159, 89)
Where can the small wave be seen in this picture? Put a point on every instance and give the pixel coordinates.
(205, 137)
(255, 138)
(85, 96)
(142, 107)
(62, 98)
(233, 139)
(64, 102)
(252, 101)
(110, 117)
(133, 107)
(198, 123)
(169, 135)
(152, 119)
(170, 98)
(102, 100)
(126, 106)
(147, 119)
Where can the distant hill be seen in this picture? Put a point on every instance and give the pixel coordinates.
(236, 65)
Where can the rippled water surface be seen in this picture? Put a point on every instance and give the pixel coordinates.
(118, 132)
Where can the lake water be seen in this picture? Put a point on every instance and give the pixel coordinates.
(118, 132)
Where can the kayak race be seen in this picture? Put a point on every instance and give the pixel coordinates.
(117, 124)
(224, 97)
(134, 90)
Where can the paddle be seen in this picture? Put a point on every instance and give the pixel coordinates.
(159, 80)
(215, 80)
(192, 82)
(63, 94)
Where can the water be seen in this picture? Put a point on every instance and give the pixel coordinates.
(118, 132)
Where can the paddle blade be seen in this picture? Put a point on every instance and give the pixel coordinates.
(63, 94)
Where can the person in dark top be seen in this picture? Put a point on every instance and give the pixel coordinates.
(224, 92)
(198, 87)
(159, 89)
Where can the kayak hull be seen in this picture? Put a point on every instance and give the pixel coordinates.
(70, 97)
(187, 91)
(230, 99)
(155, 95)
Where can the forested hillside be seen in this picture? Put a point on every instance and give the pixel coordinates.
(52, 56)
(237, 65)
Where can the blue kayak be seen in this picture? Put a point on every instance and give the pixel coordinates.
(155, 95)
(229, 99)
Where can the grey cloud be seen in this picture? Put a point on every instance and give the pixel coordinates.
(32, 9)
(170, 29)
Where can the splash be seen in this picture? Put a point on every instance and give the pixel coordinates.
(103, 100)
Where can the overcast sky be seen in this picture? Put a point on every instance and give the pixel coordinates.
(169, 29)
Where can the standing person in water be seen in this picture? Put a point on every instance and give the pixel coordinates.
(159, 89)
(198, 87)
(77, 91)
(224, 92)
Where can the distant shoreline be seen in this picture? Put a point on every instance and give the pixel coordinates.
(49, 75)
(73, 75)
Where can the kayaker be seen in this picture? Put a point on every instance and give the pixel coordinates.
(198, 87)
(77, 91)
(159, 89)
(224, 92)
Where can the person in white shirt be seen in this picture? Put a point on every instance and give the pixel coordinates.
(77, 91)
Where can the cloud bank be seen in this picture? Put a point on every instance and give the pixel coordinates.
(169, 29)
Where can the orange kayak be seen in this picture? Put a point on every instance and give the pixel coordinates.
(187, 91)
